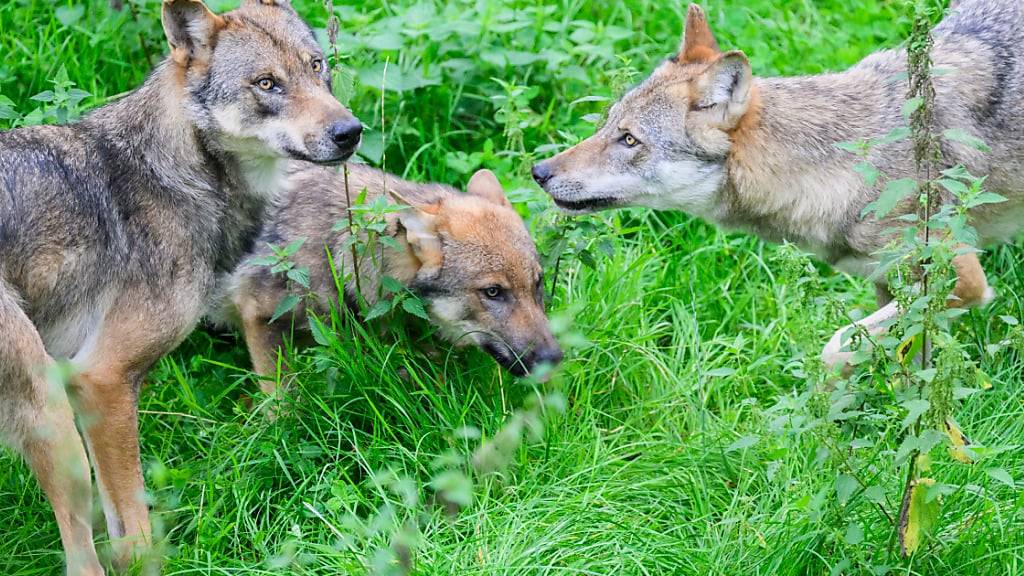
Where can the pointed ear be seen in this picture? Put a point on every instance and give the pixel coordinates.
(724, 89)
(699, 43)
(420, 224)
(191, 30)
(486, 185)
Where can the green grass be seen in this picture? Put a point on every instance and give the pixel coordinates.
(691, 331)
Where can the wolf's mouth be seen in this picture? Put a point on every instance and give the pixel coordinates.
(589, 205)
(506, 360)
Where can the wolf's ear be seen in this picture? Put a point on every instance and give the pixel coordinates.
(420, 223)
(724, 89)
(191, 30)
(699, 43)
(485, 185)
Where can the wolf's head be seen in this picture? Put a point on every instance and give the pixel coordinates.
(257, 82)
(480, 275)
(666, 142)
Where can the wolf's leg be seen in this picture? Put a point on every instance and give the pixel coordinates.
(109, 400)
(37, 419)
(264, 342)
(971, 290)
(972, 287)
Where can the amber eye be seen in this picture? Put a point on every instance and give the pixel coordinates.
(630, 140)
(318, 65)
(492, 292)
(266, 84)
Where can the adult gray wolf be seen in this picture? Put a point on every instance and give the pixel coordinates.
(702, 135)
(113, 230)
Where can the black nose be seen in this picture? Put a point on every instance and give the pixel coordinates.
(346, 133)
(541, 173)
(550, 354)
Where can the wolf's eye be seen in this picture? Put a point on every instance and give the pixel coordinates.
(493, 292)
(630, 140)
(318, 65)
(266, 84)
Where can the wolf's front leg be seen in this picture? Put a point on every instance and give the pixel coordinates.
(971, 290)
(109, 402)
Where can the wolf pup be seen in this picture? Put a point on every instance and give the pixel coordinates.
(703, 136)
(112, 232)
(468, 256)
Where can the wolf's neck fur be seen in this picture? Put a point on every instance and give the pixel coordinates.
(787, 180)
(220, 194)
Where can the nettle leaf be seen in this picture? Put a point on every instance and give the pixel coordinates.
(743, 443)
(917, 516)
(391, 285)
(895, 192)
(875, 494)
(914, 408)
(868, 172)
(963, 137)
(911, 106)
(895, 135)
(846, 485)
(287, 304)
(1002, 476)
(319, 332)
(293, 247)
(985, 198)
(379, 309)
(415, 307)
(299, 275)
(854, 534)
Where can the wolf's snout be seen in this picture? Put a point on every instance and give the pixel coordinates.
(550, 354)
(346, 133)
(542, 173)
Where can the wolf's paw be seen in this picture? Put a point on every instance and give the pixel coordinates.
(833, 355)
(988, 297)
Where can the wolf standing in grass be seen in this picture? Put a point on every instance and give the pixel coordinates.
(703, 136)
(113, 230)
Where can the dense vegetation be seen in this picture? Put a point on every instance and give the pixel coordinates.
(677, 449)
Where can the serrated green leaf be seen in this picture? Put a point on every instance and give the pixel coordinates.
(391, 285)
(286, 305)
(415, 307)
(1002, 476)
(963, 137)
(846, 485)
(293, 247)
(915, 408)
(743, 443)
(895, 192)
(379, 309)
(854, 534)
(299, 275)
(868, 172)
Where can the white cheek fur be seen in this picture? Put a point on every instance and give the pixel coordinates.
(688, 185)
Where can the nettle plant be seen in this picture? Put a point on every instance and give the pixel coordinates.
(898, 405)
(60, 105)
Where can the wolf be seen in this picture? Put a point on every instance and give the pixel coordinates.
(113, 231)
(468, 256)
(704, 136)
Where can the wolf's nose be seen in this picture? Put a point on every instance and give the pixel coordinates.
(551, 355)
(541, 173)
(346, 134)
